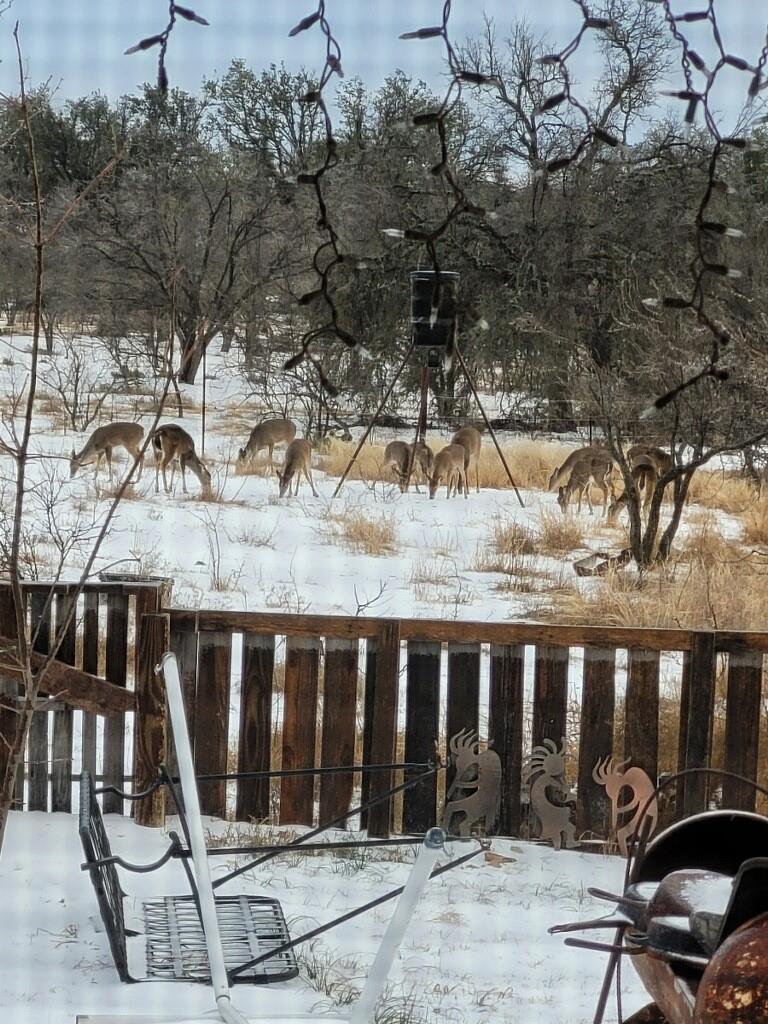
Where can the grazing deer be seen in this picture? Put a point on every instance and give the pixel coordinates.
(579, 471)
(298, 461)
(267, 435)
(647, 464)
(173, 446)
(101, 443)
(448, 466)
(396, 456)
(470, 440)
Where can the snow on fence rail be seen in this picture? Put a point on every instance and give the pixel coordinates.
(386, 687)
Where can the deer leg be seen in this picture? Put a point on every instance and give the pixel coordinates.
(183, 466)
(165, 461)
(477, 474)
(108, 454)
(135, 454)
(308, 475)
(465, 481)
(297, 478)
(271, 449)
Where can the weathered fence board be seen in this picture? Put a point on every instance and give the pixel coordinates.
(61, 768)
(550, 694)
(422, 718)
(37, 745)
(90, 664)
(338, 734)
(742, 727)
(258, 666)
(212, 718)
(598, 697)
(505, 728)
(463, 698)
(382, 675)
(152, 635)
(641, 711)
(302, 660)
(116, 672)
(698, 736)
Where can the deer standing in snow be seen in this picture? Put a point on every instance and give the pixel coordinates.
(174, 446)
(470, 440)
(297, 463)
(396, 456)
(101, 443)
(448, 467)
(267, 435)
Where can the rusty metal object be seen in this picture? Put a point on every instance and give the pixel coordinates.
(600, 562)
(673, 993)
(734, 987)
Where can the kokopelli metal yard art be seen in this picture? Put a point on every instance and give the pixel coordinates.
(609, 774)
(549, 763)
(476, 788)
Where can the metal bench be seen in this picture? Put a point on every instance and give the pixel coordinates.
(174, 941)
(204, 936)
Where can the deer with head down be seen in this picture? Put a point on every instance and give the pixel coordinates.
(174, 446)
(470, 440)
(397, 456)
(298, 463)
(267, 435)
(101, 443)
(448, 468)
(576, 475)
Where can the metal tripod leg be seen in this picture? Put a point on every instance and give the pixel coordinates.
(372, 424)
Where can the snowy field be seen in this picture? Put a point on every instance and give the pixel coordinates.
(250, 549)
(477, 949)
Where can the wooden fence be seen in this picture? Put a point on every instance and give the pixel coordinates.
(315, 691)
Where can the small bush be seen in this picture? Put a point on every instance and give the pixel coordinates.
(558, 534)
(361, 532)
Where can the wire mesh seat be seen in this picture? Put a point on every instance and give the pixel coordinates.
(175, 949)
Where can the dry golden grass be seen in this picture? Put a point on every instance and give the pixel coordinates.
(364, 533)
(729, 492)
(558, 534)
(729, 594)
(335, 457)
(508, 536)
(756, 523)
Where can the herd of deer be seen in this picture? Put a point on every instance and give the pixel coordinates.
(173, 447)
(595, 465)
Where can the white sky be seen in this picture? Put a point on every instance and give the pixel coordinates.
(79, 44)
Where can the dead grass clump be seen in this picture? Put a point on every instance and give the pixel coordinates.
(558, 534)
(360, 532)
(508, 536)
(707, 546)
(729, 492)
(756, 523)
(729, 594)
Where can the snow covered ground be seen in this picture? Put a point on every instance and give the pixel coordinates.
(477, 950)
(252, 550)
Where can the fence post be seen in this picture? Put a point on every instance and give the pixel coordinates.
(702, 670)
(153, 639)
